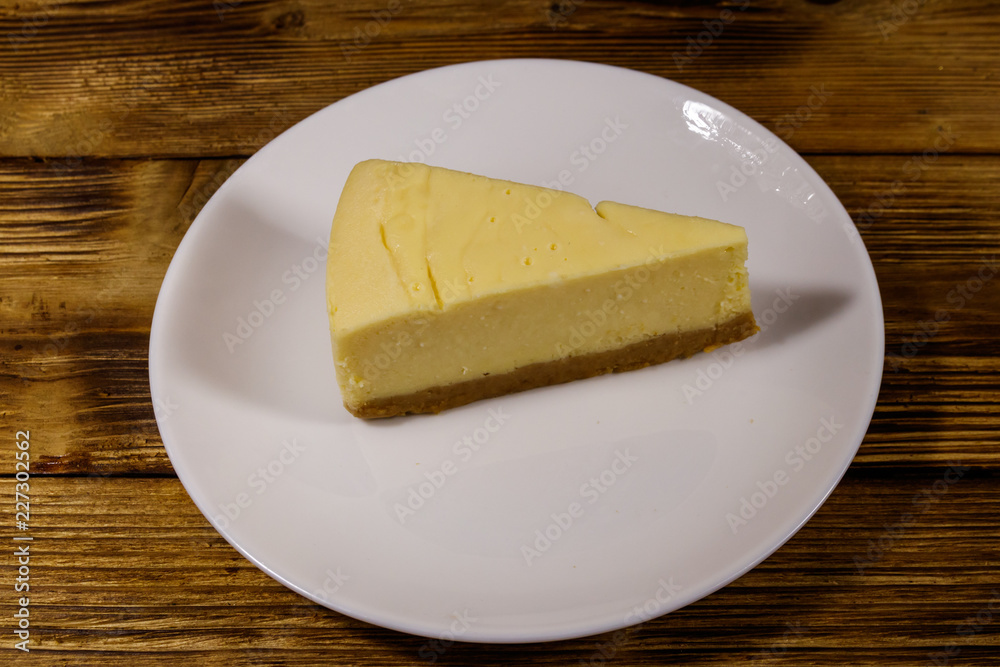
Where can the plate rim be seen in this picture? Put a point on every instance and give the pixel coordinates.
(553, 633)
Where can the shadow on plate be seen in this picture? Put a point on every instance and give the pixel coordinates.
(785, 313)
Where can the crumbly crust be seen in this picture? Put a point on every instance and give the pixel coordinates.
(637, 355)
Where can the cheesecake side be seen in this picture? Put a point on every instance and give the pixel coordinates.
(444, 288)
(698, 299)
(647, 352)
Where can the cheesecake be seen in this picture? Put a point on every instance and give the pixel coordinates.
(445, 288)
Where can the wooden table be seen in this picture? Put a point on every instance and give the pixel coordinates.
(119, 120)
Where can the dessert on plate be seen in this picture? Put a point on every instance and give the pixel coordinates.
(444, 288)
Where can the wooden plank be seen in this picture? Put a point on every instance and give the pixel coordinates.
(892, 101)
(200, 79)
(126, 569)
(930, 227)
(83, 250)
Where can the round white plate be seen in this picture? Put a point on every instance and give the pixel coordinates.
(554, 513)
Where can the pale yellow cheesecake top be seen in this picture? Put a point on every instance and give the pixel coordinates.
(408, 238)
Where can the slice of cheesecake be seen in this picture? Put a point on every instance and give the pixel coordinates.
(445, 288)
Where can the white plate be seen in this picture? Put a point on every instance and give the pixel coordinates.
(593, 505)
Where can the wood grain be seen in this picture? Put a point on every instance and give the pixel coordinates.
(232, 73)
(127, 569)
(929, 242)
(118, 121)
